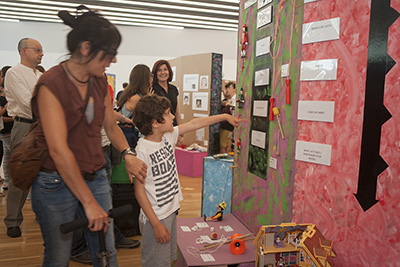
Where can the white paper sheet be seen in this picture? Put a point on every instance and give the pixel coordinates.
(320, 31)
(262, 3)
(185, 228)
(174, 71)
(273, 163)
(313, 152)
(249, 3)
(200, 101)
(319, 70)
(200, 134)
(191, 82)
(262, 46)
(309, 1)
(202, 225)
(264, 16)
(261, 77)
(207, 257)
(258, 138)
(200, 115)
(186, 99)
(284, 70)
(260, 108)
(316, 111)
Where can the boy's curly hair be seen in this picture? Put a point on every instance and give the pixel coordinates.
(149, 108)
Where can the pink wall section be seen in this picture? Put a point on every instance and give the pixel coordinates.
(323, 195)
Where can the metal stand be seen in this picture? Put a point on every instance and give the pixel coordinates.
(103, 254)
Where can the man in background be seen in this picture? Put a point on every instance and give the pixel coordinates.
(19, 85)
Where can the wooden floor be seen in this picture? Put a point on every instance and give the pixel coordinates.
(27, 250)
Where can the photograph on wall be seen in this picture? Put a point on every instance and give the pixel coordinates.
(200, 101)
(186, 99)
(203, 82)
(191, 82)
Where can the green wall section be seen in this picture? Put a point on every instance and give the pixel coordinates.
(262, 195)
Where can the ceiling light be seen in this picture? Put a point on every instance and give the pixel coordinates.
(10, 20)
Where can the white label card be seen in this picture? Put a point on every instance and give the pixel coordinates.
(273, 163)
(260, 108)
(284, 70)
(316, 111)
(202, 225)
(262, 3)
(313, 152)
(174, 72)
(319, 70)
(258, 138)
(228, 228)
(264, 16)
(207, 257)
(261, 77)
(249, 3)
(185, 228)
(262, 46)
(319, 31)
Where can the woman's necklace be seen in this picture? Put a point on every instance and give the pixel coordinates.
(70, 73)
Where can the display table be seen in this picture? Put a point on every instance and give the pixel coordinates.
(189, 163)
(217, 185)
(223, 256)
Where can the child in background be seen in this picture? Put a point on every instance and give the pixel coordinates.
(160, 195)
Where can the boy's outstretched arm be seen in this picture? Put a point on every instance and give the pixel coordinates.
(203, 122)
(160, 231)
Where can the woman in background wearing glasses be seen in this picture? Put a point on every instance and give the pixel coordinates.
(72, 103)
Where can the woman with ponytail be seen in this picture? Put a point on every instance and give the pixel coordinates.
(72, 103)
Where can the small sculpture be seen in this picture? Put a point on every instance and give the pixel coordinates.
(218, 215)
(243, 41)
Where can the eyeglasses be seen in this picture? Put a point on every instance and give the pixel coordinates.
(37, 50)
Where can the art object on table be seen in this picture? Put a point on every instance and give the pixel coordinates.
(218, 215)
(243, 41)
(213, 236)
(237, 245)
(240, 100)
(277, 115)
(291, 244)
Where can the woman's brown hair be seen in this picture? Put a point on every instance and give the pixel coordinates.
(157, 65)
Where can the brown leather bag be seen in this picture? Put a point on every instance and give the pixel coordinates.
(26, 160)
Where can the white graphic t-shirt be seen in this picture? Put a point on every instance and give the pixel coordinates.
(161, 183)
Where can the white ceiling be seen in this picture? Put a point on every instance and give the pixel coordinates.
(175, 14)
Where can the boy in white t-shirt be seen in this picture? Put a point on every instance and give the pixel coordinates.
(160, 195)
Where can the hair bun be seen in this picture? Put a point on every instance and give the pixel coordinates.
(67, 18)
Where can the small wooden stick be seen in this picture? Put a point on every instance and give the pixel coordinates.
(226, 242)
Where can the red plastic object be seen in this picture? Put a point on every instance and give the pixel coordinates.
(235, 235)
(237, 247)
(271, 106)
(288, 91)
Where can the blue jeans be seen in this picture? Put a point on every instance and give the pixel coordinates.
(54, 204)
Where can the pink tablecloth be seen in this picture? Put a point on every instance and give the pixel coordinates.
(223, 256)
